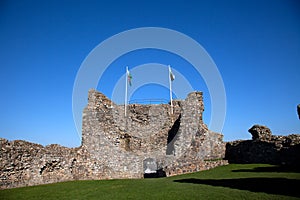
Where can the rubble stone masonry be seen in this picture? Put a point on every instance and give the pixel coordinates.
(119, 146)
(265, 148)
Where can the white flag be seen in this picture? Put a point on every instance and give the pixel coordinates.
(172, 76)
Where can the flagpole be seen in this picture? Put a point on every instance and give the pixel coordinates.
(126, 77)
(170, 86)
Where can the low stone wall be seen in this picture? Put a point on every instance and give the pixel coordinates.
(192, 166)
(265, 148)
(25, 164)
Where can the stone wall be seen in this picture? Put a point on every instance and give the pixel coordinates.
(115, 146)
(265, 148)
(24, 164)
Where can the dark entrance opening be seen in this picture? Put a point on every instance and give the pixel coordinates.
(158, 174)
(151, 170)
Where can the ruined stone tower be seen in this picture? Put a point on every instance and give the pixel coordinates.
(175, 143)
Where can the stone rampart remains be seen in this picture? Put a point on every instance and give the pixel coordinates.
(148, 142)
(265, 148)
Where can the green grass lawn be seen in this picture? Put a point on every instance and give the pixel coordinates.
(251, 181)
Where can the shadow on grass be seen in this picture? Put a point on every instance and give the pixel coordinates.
(271, 169)
(279, 186)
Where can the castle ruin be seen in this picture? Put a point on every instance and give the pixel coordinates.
(150, 141)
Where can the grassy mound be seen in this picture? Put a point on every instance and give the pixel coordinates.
(251, 181)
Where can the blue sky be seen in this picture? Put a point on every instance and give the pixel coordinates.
(254, 44)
